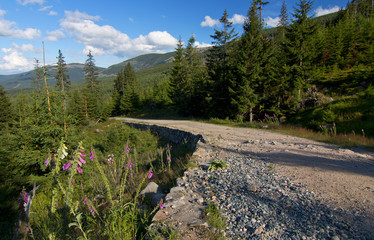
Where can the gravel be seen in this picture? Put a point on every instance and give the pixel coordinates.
(258, 203)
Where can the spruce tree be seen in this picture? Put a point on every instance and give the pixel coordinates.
(218, 67)
(61, 77)
(177, 79)
(249, 62)
(130, 97)
(298, 52)
(91, 92)
(5, 109)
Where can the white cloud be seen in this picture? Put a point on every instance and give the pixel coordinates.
(13, 59)
(7, 29)
(202, 45)
(320, 11)
(106, 39)
(52, 13)
(272, 22)
(209, 22)
(55, 35)
(238, 19)
(25, 2)
(45, 8)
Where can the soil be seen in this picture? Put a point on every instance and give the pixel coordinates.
(340, 177)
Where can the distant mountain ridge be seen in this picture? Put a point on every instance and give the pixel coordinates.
(76, 70)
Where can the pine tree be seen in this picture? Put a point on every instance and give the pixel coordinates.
(297, 49)
(5, 109)
(249, 62)
(91, 96)
(218, 66)
(130, 97)
(61, 77)
(177, 79)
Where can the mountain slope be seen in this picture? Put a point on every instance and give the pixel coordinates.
(141, 62)
(76, 70)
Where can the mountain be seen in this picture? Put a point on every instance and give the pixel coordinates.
(24, 80)
(141, 62)
(76, 70)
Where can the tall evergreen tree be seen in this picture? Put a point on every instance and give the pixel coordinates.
(5, 109)
(61, 77)
(298, 52)
(218, 66)
(177, 79)
(91, 93)
(130, 97)
(249, 61)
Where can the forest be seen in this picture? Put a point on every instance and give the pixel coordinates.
(55, 140)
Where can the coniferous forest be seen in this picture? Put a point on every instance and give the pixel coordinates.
(310, 71)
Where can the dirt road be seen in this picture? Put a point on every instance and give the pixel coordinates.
(341, 177)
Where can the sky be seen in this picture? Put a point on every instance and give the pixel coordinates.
(115, 31)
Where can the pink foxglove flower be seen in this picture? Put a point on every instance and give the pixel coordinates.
(46, 163)
(82, 160)
(91, 156)
(66, 166)
(79, 169)
(150, 174)
(130, 164)
(83, 155)
(128, 149)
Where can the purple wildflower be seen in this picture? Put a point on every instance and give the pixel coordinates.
(79, 169)
(162, 204)
(66, 166)
(91, 156)
(92, 210)
(128, 149)
(84, 201)
(26, 198)
(82, 160)
(150, 174)
(83, 155)
(169, 159)
(130, 164)
(46, 162)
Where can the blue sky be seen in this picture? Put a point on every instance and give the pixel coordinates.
(117, 30)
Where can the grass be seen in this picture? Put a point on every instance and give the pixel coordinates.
(216, 220)
(345, 140)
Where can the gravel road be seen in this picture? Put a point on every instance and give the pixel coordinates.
(284, 187)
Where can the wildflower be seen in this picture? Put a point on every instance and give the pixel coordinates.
(46, 162)
(66, 166)
(128, 149)
(26, 198)
(81, 185)
(84, 201)
(92, 210)
(64, 154)
(150, 174)
(162, 204)
(169, 159)
(130, 164)
(82, 160)
(91, 156)
(79, 169)
(83, 155)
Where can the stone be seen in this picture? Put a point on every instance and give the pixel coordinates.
(177, 189)
(151, 189)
